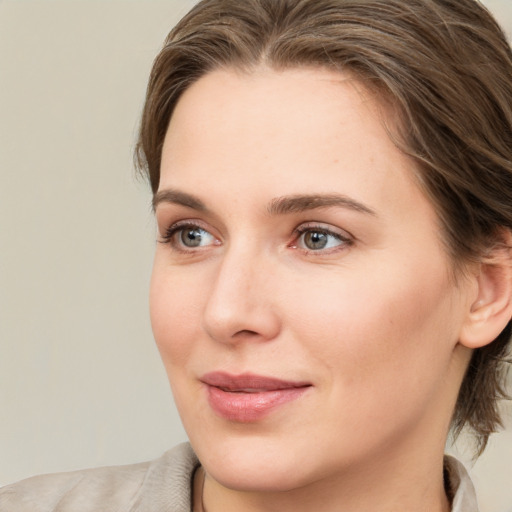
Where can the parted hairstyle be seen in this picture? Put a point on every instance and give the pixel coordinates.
(445, 67)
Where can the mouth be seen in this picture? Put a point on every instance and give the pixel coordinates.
(247, 397)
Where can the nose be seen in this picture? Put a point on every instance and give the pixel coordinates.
(241, 305)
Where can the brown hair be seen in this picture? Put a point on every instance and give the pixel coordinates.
(447, 69)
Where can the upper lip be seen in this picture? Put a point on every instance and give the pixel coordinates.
(249, 382)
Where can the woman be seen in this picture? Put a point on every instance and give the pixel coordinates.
(332, 288)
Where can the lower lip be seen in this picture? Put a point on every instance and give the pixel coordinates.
(250, 407)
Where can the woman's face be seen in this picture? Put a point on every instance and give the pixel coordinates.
(301, 298)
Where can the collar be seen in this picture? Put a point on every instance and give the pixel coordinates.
(460, 486)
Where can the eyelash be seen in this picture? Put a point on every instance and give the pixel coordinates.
(174, 229)
(178, 227)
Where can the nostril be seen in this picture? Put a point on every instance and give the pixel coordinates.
(246, 332)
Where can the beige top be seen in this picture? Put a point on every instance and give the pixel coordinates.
(162, 485)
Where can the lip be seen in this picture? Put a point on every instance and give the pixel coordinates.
(247, 397)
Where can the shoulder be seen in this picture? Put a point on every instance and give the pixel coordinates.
(68, 491)
(134, 488)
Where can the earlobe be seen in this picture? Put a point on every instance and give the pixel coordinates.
(491, 310)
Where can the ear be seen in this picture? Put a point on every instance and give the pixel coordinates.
(491, 310)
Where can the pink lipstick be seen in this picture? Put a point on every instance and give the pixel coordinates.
(247, 397)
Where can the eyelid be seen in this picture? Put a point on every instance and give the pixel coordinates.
(323, 226)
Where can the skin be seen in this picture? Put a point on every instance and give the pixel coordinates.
(373, 321)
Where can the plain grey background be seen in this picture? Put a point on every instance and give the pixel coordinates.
(81, 383)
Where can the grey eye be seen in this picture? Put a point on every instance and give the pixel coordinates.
(194, 237)
(315, 240)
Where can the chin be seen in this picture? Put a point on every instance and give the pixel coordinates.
(257, 463)
(251, 476)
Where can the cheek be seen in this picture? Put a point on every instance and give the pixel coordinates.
(384, 345)
(380, 330)
(174, 305)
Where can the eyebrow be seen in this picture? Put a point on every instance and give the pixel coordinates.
(278, 206)
(177, 197)
(300, 203)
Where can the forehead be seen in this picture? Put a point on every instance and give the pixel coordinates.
(305, 127)
(270, 107)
